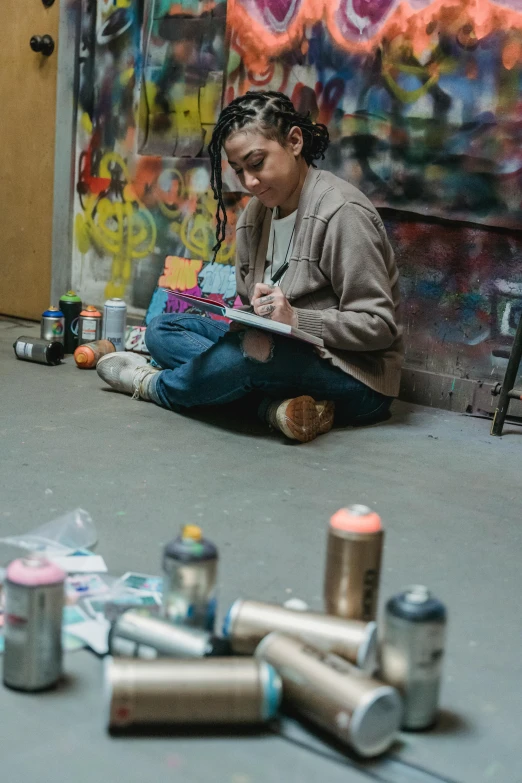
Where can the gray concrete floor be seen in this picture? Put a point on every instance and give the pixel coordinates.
(448, 493)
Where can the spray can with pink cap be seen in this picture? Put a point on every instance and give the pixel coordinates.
(34, 597)
(353, 563)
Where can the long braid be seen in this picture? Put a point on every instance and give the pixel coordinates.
(274, 114)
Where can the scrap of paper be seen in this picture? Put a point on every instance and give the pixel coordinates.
(97, 607)
(80, 562)
(81, 585)
(132, 581)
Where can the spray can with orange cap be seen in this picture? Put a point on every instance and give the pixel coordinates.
(89, 325)
(353, 563)
(189, 588)
(87, 356)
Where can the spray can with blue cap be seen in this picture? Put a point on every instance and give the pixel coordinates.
(189, 589)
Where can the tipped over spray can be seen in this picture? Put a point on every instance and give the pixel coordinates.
(114, 322)
(71, 306)
(89, 325)
(361, 712)
(208, 691)
(412, 652)
(34, 597)
(52, 325)
(353, 563)
(87, 356)
(247, 622)
(36, 349)
(138, 634)
(190, 568)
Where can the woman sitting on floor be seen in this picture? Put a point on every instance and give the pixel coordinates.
(340, 284)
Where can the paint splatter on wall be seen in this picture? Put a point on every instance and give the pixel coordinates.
(422, 100)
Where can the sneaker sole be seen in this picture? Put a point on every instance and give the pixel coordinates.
(299, 419)
(326, 413)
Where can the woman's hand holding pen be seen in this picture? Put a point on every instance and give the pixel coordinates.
(270, 302)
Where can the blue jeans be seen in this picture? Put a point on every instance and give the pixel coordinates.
(207, 364)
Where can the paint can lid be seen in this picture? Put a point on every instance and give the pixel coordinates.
(34, 570)
(115, 302)
(70, 296)
(55, 352)
(189, 548)
(230, 618)
(191, 532)
(52, 312)
(91, 311)
(83, 354)
(368, 649)
(416, 604)
(375, 721)
(356, 519)
(272, 689)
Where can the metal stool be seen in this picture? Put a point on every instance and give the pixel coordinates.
(505, 390)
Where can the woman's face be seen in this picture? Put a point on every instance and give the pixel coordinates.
(266, 169)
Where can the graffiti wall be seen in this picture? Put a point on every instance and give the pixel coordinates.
(151, 80)
(422, 98)
(422, 101)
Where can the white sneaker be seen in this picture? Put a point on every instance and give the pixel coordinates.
(127, 372)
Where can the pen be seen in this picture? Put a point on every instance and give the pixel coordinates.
(280, 272)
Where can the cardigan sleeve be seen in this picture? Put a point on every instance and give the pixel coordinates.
(354, 260)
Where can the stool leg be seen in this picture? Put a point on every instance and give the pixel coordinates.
(508, 382)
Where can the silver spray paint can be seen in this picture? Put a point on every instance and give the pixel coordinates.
(247, 622)
(211, 691)
(114, 322)
(139, 634)
(412, 652)
(190, 567)
(52, 325)
(34, 349)
(34, 597)
(361, 712)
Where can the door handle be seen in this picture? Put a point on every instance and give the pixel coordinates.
(43, 44)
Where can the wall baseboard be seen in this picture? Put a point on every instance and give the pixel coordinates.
(448, 392)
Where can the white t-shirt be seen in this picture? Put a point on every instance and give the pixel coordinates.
(281, 241)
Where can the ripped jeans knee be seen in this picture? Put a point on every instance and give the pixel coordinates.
(256, 345)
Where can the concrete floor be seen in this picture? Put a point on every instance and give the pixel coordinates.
(448, 493)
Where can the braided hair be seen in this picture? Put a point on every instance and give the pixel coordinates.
(273, 114)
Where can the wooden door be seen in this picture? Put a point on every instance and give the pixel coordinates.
(27, 133)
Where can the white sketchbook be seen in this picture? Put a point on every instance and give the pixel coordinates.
(247, 319)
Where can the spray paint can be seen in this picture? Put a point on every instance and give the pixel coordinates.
(363, 713)
(52, 325)
(247, 622)
(35, 349)
(34, 598)
(138, 634)
(207, 691)
(190, 567)
(114, 321)
(412, 652)
(353, 563)
(89, 325)
(71, 306)
(87, 356)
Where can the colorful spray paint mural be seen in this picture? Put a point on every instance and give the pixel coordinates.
(422, 100)
(151, 82)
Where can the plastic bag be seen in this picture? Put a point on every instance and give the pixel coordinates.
(73, 531)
